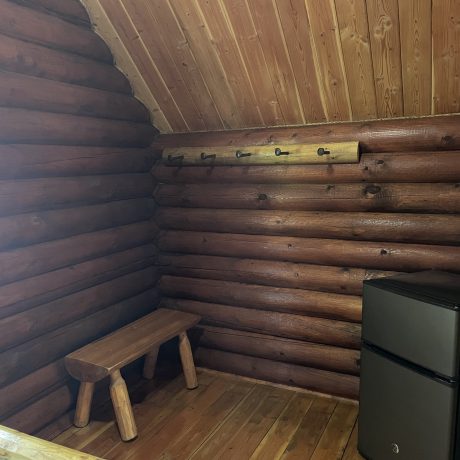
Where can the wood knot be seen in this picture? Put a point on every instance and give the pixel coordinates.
(380, 162)
(383, 252)
(372, 189)
(262, 197)
(447, 140)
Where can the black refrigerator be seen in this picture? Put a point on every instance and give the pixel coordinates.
(409, 390)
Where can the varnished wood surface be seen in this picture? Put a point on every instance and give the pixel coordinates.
(68, 218)
(282, 251)
(226, 417)
(109, 354)
(208, 65)
(15, 445)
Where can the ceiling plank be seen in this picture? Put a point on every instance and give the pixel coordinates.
(124, 62)
(130, 39)
(296, 29)
(266, 21)
(383, 17)
(446, 56)
(190, 19)
(252, 54)
(144, 18)
(221, 35)
(168, 28)
(329, 59)
(354, 36)
(415, 30)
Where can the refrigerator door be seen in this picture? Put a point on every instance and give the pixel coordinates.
(419, 331)
(404, 414)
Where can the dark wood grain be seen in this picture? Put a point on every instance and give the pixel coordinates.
(34, 260)
(22, 161)
(311, 329)
(275, 371)
(299, 301)
(429, 133)
(372, 167)
(37, 290)
(278, 349)
(342, 280)
(34, 127)
(39, 61)
(35, 26)
(345, 253)
(71, 10)
(440, 229)
(28, 92)
(434, 198)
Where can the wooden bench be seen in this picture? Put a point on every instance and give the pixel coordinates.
(106, 356)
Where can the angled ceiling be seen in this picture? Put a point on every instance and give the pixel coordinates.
(222, 64)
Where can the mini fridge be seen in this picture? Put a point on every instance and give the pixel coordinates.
(409, 391)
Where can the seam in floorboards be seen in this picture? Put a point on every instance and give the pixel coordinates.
(226, 417)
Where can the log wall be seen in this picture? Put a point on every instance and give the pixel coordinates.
(273, 257)
(77, 258)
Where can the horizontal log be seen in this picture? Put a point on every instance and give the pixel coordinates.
(391, 135)
(343, 152)
(20, 392)
(49, 347)
(426, 228)
(32, 323)
(22, 161)
(44, 257)
(299, 301)
(436, 198)
(56, 427)
(71, 10)
(28, 293)
(34, 127)
(38, 27)
(274, 371)
(43, 411)
(372, 167)
(278, 349)
(378, 255)
(28, 92)
(310, 329)
(21, 196)
(32, 59)
(38, 227)
(342, 280)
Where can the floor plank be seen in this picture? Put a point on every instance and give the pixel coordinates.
(304, 441)
(252, 432)
(276, 440)
(188, 442)
(226, 417)
(151, 446)
(337, 433)
(351, 452)
(226, 432)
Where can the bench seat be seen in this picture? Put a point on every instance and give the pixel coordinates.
(99, 359)
(106, 356)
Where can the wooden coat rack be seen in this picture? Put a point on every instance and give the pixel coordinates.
(339, 152)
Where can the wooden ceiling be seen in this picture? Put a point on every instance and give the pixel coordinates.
(222, 64)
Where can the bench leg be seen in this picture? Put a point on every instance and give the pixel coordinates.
(149, 364)
(122, 407)
(187, 361)
(85, 396)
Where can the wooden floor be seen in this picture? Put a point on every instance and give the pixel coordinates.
(226, 417)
